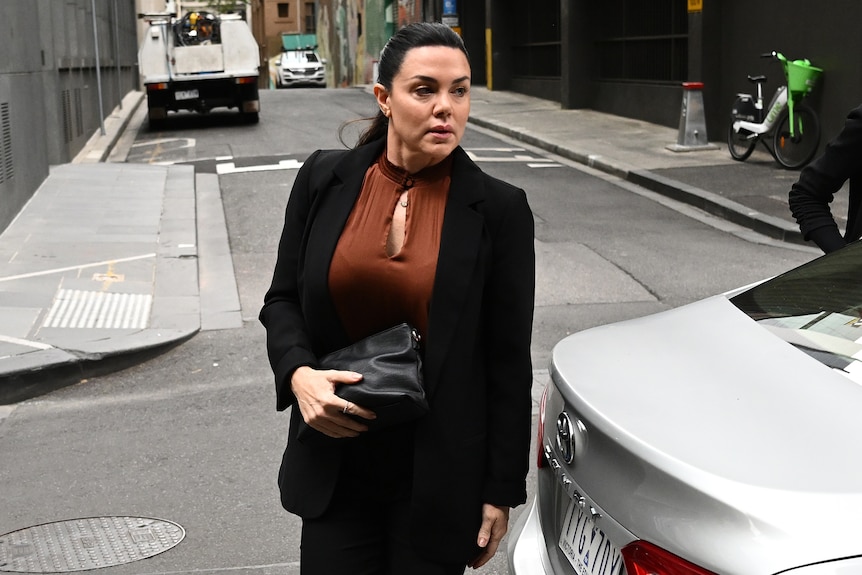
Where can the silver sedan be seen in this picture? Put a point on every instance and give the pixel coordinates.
(718, 437)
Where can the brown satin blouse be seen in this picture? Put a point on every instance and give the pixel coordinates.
(371, 290)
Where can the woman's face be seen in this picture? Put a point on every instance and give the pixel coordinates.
(427, 107)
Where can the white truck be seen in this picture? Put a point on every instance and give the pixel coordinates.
(198, 62)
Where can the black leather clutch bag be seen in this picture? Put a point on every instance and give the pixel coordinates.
(391, 368)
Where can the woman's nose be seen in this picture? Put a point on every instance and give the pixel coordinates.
(443, 105)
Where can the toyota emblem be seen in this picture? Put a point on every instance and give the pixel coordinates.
(565, 437)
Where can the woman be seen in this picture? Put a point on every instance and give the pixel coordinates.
(405, 227)
(811, 195)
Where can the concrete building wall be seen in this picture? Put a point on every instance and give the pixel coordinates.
(828, 35)
(351, 34)
(298, 18)
(724, 42)
(51, 100)
(339, 27)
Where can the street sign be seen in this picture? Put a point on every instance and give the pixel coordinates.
(450, 14)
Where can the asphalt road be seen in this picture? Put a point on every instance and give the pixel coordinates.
(193, 437)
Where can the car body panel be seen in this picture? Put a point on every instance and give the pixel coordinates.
(533, 546)
(849, 566)
(712, 356)
(527, 553)
(730, 454)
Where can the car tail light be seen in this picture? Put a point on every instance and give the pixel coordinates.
(540, 435)
(642, 558)
(156, 87)
(247, 80)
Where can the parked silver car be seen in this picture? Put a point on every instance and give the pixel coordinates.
(300, 68)
(718, 437)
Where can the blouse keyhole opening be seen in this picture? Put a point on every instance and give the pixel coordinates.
(398, 229)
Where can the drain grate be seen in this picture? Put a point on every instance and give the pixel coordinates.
(89, 543)
(95, 309)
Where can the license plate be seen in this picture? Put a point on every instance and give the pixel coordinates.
(185, 94)
(586, 546)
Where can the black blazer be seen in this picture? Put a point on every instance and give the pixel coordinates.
(474, 446)
(811, 195)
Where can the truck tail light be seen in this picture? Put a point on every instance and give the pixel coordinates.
(642, 558)
(540, 435)
(157, 87)
(247, 80)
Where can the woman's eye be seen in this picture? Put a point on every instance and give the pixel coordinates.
(460, 91)
(424, 91)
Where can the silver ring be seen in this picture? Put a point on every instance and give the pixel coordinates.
(346, 407)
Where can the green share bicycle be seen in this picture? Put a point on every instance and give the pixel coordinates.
(793, 126)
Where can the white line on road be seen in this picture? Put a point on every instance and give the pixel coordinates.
(230, 167)
(70, 268)
(495, 150)
(187, 142)
(514, 158)
(25, 342)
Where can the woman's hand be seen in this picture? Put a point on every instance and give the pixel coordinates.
(495, 523)
(321, 408)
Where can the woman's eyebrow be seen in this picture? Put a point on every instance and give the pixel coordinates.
(431, 80)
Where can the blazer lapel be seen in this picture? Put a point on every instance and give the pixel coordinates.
(336, 200)
(459, 249)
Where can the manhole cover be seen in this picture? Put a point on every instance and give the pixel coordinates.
(89, 543)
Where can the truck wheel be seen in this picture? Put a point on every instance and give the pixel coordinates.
(251, 117)
(156, 118)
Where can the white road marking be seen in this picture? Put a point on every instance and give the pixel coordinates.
(531, 161)
(25, 342)
(187, 142)
(230, 167)
(79, 267)
(93, 309)
(496, 150)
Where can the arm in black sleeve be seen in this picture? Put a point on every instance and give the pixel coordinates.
(811, 195)
(287, 340)
(510, 301)
(827, 238)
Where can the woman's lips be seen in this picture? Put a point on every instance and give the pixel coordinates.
(441, 131)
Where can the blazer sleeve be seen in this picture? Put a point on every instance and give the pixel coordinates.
(510, 299)
(815, 189)
(287, 340)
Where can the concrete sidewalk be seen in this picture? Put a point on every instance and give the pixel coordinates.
(111, 262)
(752, 193)
(102, 268)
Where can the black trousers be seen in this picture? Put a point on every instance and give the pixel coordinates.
(366, 528)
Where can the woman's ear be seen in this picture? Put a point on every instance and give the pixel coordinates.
(381, 94)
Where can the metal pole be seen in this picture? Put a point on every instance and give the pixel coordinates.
(98, 70)
(117, 54)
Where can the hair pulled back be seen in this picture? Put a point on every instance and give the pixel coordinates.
(416, 35)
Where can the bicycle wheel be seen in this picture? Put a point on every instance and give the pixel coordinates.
(795, 151)
(740, 143)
